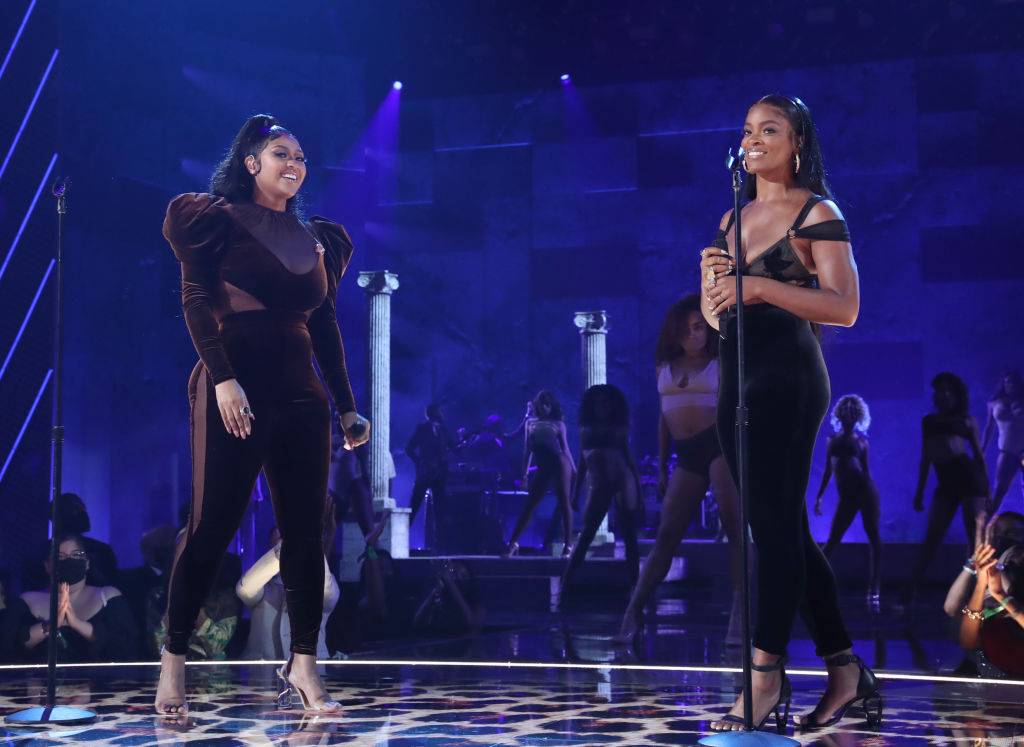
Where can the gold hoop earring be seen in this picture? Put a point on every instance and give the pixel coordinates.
(744, 164)
(797, 170)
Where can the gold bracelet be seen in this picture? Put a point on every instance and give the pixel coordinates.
(971, 614)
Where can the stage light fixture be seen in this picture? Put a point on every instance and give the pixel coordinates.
(397, 85)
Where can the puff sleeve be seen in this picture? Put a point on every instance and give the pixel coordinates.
(197, 227)
(323, 323)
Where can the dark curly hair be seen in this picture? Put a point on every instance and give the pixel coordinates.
(1001, 394)
(231, 179)
(812, 173)
(546, 396)
(1006, 531)
(618, 407)
(954, 382)
(668, 348)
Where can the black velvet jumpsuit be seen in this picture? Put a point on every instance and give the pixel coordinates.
(788, 393)
(258, 293)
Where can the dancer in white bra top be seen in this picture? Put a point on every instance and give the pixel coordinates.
(1006, 414)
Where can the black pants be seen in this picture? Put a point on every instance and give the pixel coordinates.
(787, 396)
(272, 358)
(436, 483)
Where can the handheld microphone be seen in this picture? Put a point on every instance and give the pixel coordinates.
(60, 186)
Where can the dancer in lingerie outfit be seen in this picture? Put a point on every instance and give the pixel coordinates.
(950, 443)
(607, 460)
(548, 451)
(795, 252)
(258, 292)
(1006, 414)
(687, 375)
(847, 456)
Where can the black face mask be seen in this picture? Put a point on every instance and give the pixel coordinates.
(71, 570)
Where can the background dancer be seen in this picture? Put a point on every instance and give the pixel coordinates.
(428, 447)
(687, 373)
(548, 451)
(796, 251)
(949, 442)
(847, 456)
(258, 291)
(609, 470)
(1006, 414)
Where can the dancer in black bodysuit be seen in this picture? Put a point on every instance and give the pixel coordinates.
(258, 292)
(607, 460)
(804, 278)
(847, 456)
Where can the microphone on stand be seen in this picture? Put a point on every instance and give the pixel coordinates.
(733, 162)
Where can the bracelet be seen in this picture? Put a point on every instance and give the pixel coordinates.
(972, 614)
(970, 570)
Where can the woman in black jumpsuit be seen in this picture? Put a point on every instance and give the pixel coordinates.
(258, 293)
(795, 249)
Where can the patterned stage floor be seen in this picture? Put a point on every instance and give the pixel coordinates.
(446, 706)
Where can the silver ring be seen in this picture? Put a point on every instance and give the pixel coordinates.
(246, 410)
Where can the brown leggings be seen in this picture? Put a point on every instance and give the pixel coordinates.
(290, 442)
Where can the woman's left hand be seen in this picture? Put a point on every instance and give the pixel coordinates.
(362, 429)
(721, 292)
(66, 611)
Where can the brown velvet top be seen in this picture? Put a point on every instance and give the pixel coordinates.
(244, 257)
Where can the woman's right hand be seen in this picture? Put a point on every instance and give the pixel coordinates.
(234, 408)
(714, 263)
(984, 562)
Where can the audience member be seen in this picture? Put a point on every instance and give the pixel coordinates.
(94, 623)
(145, 587)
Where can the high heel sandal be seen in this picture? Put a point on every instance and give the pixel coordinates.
(286, 698)
(781, 707)
(169, 710)
(867, 695)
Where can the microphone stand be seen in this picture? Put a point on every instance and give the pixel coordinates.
(749, 736)
(52, 713)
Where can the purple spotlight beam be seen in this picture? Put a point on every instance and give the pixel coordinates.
(17, 37)
(28, 214)
(28, 113)
(24, 426)
(28, 316)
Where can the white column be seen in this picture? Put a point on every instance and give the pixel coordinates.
(379, 285)
(593, 327)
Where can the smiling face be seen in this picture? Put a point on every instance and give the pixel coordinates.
(769, 141)
(279, 170)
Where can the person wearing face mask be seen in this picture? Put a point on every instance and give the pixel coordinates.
(94, 623)
(259, 290)
(73, 518)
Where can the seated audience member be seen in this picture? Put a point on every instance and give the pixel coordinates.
(145, 587)
(1004, 531)
(74, 519)
(453, 605)
(94, 623)
(262, 591)
(992, 621)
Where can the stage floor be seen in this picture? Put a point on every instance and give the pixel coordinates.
(459, 706)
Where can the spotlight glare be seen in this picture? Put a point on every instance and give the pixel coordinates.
(565, 77)
(397, 85)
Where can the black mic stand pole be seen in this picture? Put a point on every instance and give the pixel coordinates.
(748, 736)
(52, 713)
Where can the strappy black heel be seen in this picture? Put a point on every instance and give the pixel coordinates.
(781, 707)
(867, 696)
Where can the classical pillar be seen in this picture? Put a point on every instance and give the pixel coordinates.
(593, 327)
(379, 285)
